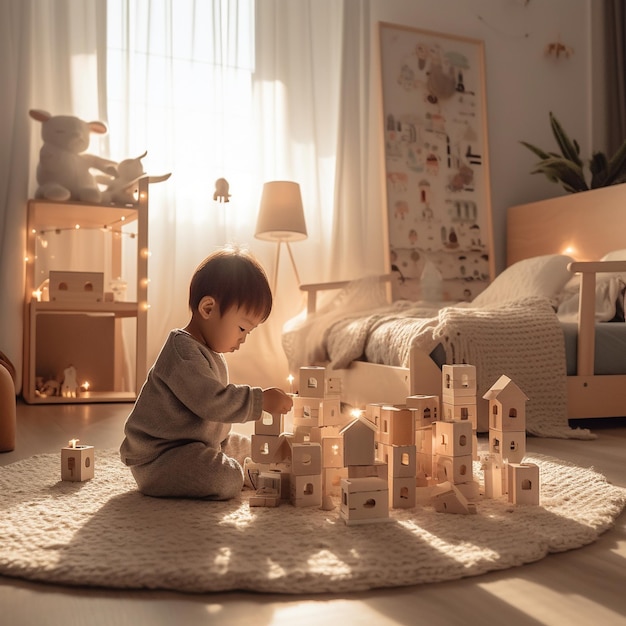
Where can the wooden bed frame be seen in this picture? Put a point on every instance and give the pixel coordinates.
(582, 225)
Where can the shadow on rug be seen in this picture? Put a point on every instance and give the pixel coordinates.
(105, 533)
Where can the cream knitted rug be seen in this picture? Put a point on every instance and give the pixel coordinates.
(105, 533)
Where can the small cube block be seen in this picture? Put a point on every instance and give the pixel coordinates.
(402, 492)
(306, 490)
(312, 381)
(523, 479)
(306, 459)
(269, 424)
(330, 412)
(400, 459)
(452, 438)
(77, 464)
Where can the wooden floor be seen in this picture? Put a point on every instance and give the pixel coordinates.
(585, 586)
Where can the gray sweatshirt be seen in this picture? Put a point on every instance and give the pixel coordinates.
(186, 398)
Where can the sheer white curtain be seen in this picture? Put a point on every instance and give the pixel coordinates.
(223, 90)
(49, 61)
(229, 88)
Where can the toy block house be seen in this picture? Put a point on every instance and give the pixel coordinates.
(507, 405)
(507, 420)
(359, 442)
(364, 499)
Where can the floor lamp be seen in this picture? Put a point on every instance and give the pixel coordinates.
(281, 219)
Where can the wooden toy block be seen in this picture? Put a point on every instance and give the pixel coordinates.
(306, 490)
(330, 412)
(333, 477)
(332, 451)
(269, 482)
(269, 449)
(312, 381)
(77, 463)
(523, 483)
(424, 465)
(452, 438)
(459, 379)
(76, 286)
(364, 500)
(306, 459)
(373, 413)
(426, 409)
(268, 500)
(507, 405)
(379, 469)
(333, 386)
(303, 433)
(494, 477)
(454, 469)
(402, 460)
(470, 490)
(269, 424)
(509, 445)
(396, 426)
(359, 442)
(424, 440)
(402, 492)
(450, 500)
(306, 407)
(460, 412)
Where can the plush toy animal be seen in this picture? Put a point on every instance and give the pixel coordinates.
(121, 187)
(64, 172)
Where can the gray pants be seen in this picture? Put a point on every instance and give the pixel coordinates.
(195, 470)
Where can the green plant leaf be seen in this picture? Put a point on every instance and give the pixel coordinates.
(537, 151)
(570, 150)
(616, 169)
(598, 166)
(569, 174)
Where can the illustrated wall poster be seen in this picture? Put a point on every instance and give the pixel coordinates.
(436, 162)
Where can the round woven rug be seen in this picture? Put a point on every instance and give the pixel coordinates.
(103, 532)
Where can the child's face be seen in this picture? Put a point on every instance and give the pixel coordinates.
(225, 333)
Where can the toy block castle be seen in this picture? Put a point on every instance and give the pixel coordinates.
(310, 459)
(394, 456)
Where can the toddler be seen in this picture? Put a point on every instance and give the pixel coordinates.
(177, 437)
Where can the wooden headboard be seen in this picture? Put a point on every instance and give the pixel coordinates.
(584, 225)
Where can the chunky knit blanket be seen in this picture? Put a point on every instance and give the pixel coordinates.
(105, 533)
(521, 339)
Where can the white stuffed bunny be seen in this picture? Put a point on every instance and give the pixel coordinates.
(121, 188)
(63, 172)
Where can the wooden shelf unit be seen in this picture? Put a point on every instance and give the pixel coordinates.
(96, 327)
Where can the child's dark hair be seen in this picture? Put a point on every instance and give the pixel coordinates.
(235, 279)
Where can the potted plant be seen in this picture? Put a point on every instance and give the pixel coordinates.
(568, 169)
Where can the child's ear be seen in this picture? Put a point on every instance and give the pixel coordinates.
(206, 305)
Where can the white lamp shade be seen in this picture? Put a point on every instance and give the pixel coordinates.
(281, 214)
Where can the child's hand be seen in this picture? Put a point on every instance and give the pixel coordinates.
(276, 401)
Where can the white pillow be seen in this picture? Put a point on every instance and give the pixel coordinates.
(540, 276)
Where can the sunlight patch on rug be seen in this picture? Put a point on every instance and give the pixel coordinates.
(105, 533)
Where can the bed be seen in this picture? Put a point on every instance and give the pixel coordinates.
(540, 322)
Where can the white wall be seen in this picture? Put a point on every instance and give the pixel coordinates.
(523, 85)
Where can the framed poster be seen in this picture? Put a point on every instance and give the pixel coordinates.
(436, 164)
